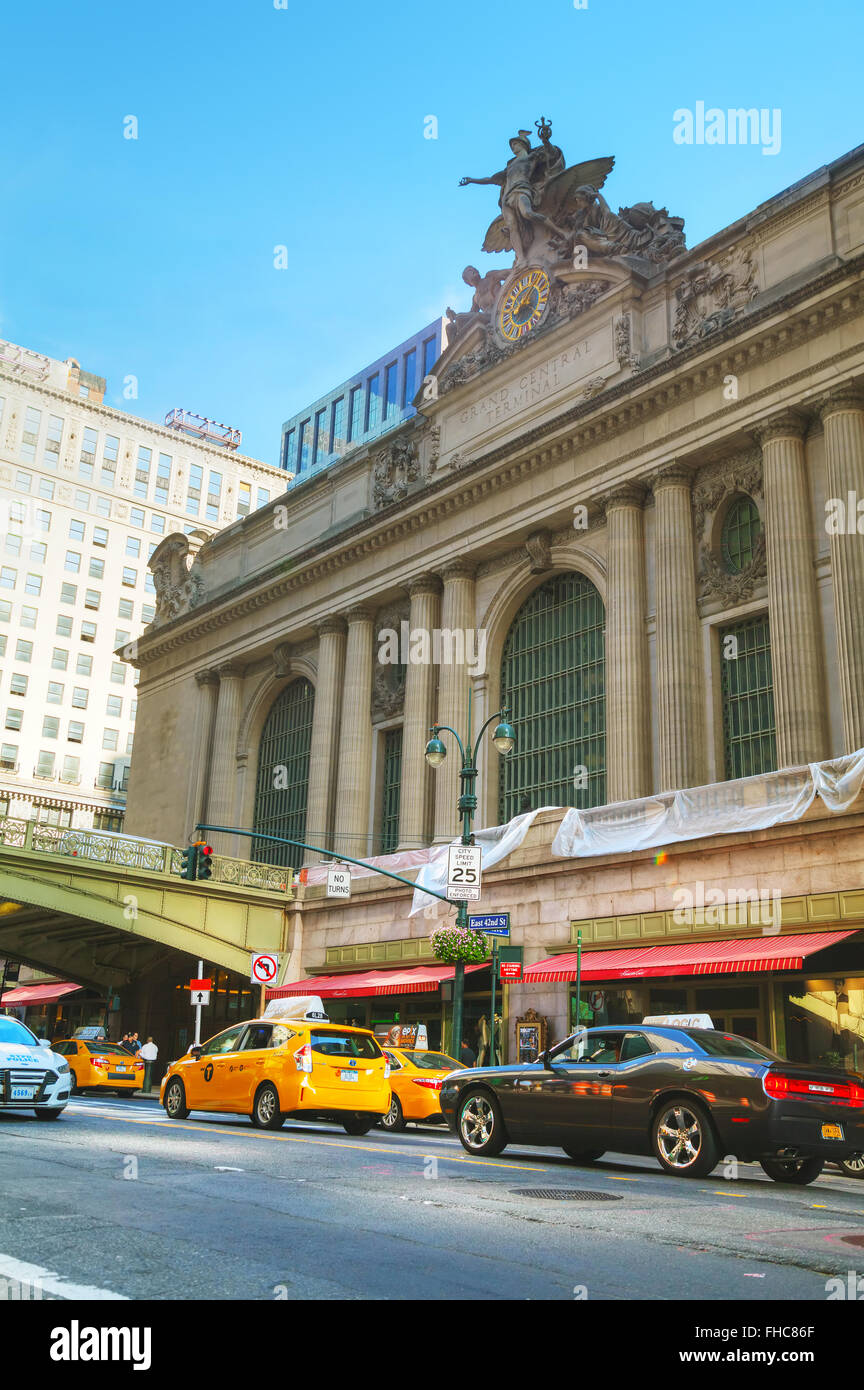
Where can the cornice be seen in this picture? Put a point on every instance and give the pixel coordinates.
(674, 380)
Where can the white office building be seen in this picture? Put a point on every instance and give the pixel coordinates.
(87, 492)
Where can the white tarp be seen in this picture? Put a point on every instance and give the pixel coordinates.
(496, 843)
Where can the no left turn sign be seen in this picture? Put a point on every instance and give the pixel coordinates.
(264, 969)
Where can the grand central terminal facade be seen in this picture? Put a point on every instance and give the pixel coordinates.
(627, 509)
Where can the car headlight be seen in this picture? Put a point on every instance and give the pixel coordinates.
(61, 1067)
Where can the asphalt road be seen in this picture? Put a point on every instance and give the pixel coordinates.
(115, 1200)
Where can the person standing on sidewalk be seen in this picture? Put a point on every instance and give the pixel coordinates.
(148, 1054)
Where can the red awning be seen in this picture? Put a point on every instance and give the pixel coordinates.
(420, 979)
(37, 994)
(688, 958)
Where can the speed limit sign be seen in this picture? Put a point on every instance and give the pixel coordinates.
(265, 968)
(463, 873)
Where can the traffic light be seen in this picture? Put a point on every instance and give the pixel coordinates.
(189, 863)
(205, 868)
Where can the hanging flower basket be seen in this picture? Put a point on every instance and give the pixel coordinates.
(452, 944)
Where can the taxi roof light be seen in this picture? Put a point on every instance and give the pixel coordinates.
(302, 1006)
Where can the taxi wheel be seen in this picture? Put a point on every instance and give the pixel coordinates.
(175, 1100)
(799, 1171)
(265, 1109)
(480, 1125)
(394, 1121)
(359, 1123)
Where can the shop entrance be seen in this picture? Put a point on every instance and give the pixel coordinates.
(734, 1007)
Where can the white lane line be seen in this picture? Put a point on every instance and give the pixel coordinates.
(35, 1277)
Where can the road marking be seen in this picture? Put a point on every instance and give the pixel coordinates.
(49, 1282)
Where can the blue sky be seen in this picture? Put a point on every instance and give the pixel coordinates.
(304, 127)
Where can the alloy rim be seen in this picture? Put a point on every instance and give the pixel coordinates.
(392, 1116)
(855, 1163)
(173, 1099)
(477, 1122)
(680, 1137)
(266, 1106)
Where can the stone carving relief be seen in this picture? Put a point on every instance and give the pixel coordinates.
(714, 485)
(395, 468)
(388, 677)
(539, 552)
(282, 659)
(711, 294)
(178, 582)
(625, 356)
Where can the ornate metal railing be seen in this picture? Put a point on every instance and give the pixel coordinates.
(130, 852)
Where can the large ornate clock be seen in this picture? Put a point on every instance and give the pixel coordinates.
(523, 304)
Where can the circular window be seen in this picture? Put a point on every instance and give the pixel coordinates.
(741, 530)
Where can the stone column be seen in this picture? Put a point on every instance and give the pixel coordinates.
(196, 806)
(415, 798)
(628, 687)
(457, 615)
(842, 414)
(325, 733)
(680, 675)
(223, 770)
(796, 644)
(355, 742)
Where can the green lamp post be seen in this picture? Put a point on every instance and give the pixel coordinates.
(504, 739)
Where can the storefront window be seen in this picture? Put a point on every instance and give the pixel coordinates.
(824, 1021)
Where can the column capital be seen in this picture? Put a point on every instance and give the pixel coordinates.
(630, 494)
(847, 396)
(331, 624)
(461, 568)
(359, 614)
(424, 584)
(786, 424)
(208, 677)
(672, 475)
(230, 670)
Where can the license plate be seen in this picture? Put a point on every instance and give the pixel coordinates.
(24, 1092)
(832, 1131)
(121, 1068)
(349, 1076)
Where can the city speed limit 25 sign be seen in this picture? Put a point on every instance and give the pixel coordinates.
(463, 873)
(265, 968)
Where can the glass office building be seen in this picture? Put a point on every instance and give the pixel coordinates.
(361, 409)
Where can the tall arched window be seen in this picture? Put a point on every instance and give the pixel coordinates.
(283, 773)
(741, 530)
(553, 679)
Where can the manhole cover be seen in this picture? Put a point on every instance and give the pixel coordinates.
(565, 1194)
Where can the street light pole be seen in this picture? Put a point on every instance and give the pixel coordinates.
(504, 739)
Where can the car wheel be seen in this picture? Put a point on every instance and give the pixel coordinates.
(175, 1100)
(853, 1166)
(394, 1121)
(582, 1155)
(799, 1171)
(480, 1124)
(49, 1114)
(265, 1110)
(683, 1139)
(359, 1123)
(76, 1089)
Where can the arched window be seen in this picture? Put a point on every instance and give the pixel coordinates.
(553, 679)
(283, 774)
(741, 530)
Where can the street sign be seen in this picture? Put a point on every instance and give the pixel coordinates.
(201, 984)
(496, 924)
(511, 970)
(200, 996)
(265, 968)
(463, 873)
(338, 883)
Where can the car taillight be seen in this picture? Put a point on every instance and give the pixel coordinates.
(430, 1082)
(139, 1066)
(303, 1057)
(777, 1085)
(99, 1061)
(386, 1068)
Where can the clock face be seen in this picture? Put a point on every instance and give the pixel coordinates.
(524, 304)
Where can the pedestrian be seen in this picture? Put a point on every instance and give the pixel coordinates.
(133, 1043)
(148, 1054)
(466, 1056)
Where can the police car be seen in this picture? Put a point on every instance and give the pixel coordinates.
(32, 1077)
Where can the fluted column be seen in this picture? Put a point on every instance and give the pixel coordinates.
(796, 644)
(355, 742)
(208, 694)
(223, 771)
(628, 692)
(325, 732)
(457, 615)
(843, 417)
(680, 677)
(415, 799)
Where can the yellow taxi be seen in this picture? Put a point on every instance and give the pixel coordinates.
(415, 1080)
(100, 1065)
(291, 1063)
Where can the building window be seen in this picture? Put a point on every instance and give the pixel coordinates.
(118, 672)
(107, 820)
(83, 665)
(88, 455)
(109, 459)
(23, 481)
(30, 434)
(322, 441)
(68, 593)
(43, 519)
(193, 492)
(38, 552)
(18, 685)
(76, 731)
(71, 769)
(430, 355)
(355, 413)
(79, 697)
(105, 777)
(73, 562)
(373, 402)
(157, 524)
(97, 569)
(303, 447)
(121, 636)
(64, 625)
(51, 450)
(46, 489)
(12, 545)
(103, 506)
(125, 608)
(88, 632)
(130, 577)
(100, 536)
(82, 499)
(91, 599)
(748, 698)
(409, 384)
(285, 743)
(59, 659)
(391, 390)
(8, 577)
(14, 719)
(23, 650)
(553, 678)
(163, 480)
(741, 531)
(214, 497)
(55, 693)
(76, 530)
(9, 757)
(50, 726)
(244, 499)
(288, 445)
(45, 765)
(110, 738)
(263, 497)
(133, 546)
(337, 427)
(142, 471)
(136, 516)
(114, 707)
(33, 585)
(29, 615)
(390, 790)
(148, 612)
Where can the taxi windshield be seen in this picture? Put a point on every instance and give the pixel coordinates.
(345, 1044)
(99, 1049)
(434, 1061)
(11, 1031)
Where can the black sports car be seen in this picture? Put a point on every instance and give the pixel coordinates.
(689, 1096)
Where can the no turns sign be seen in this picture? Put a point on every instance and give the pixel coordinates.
(265, 968)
